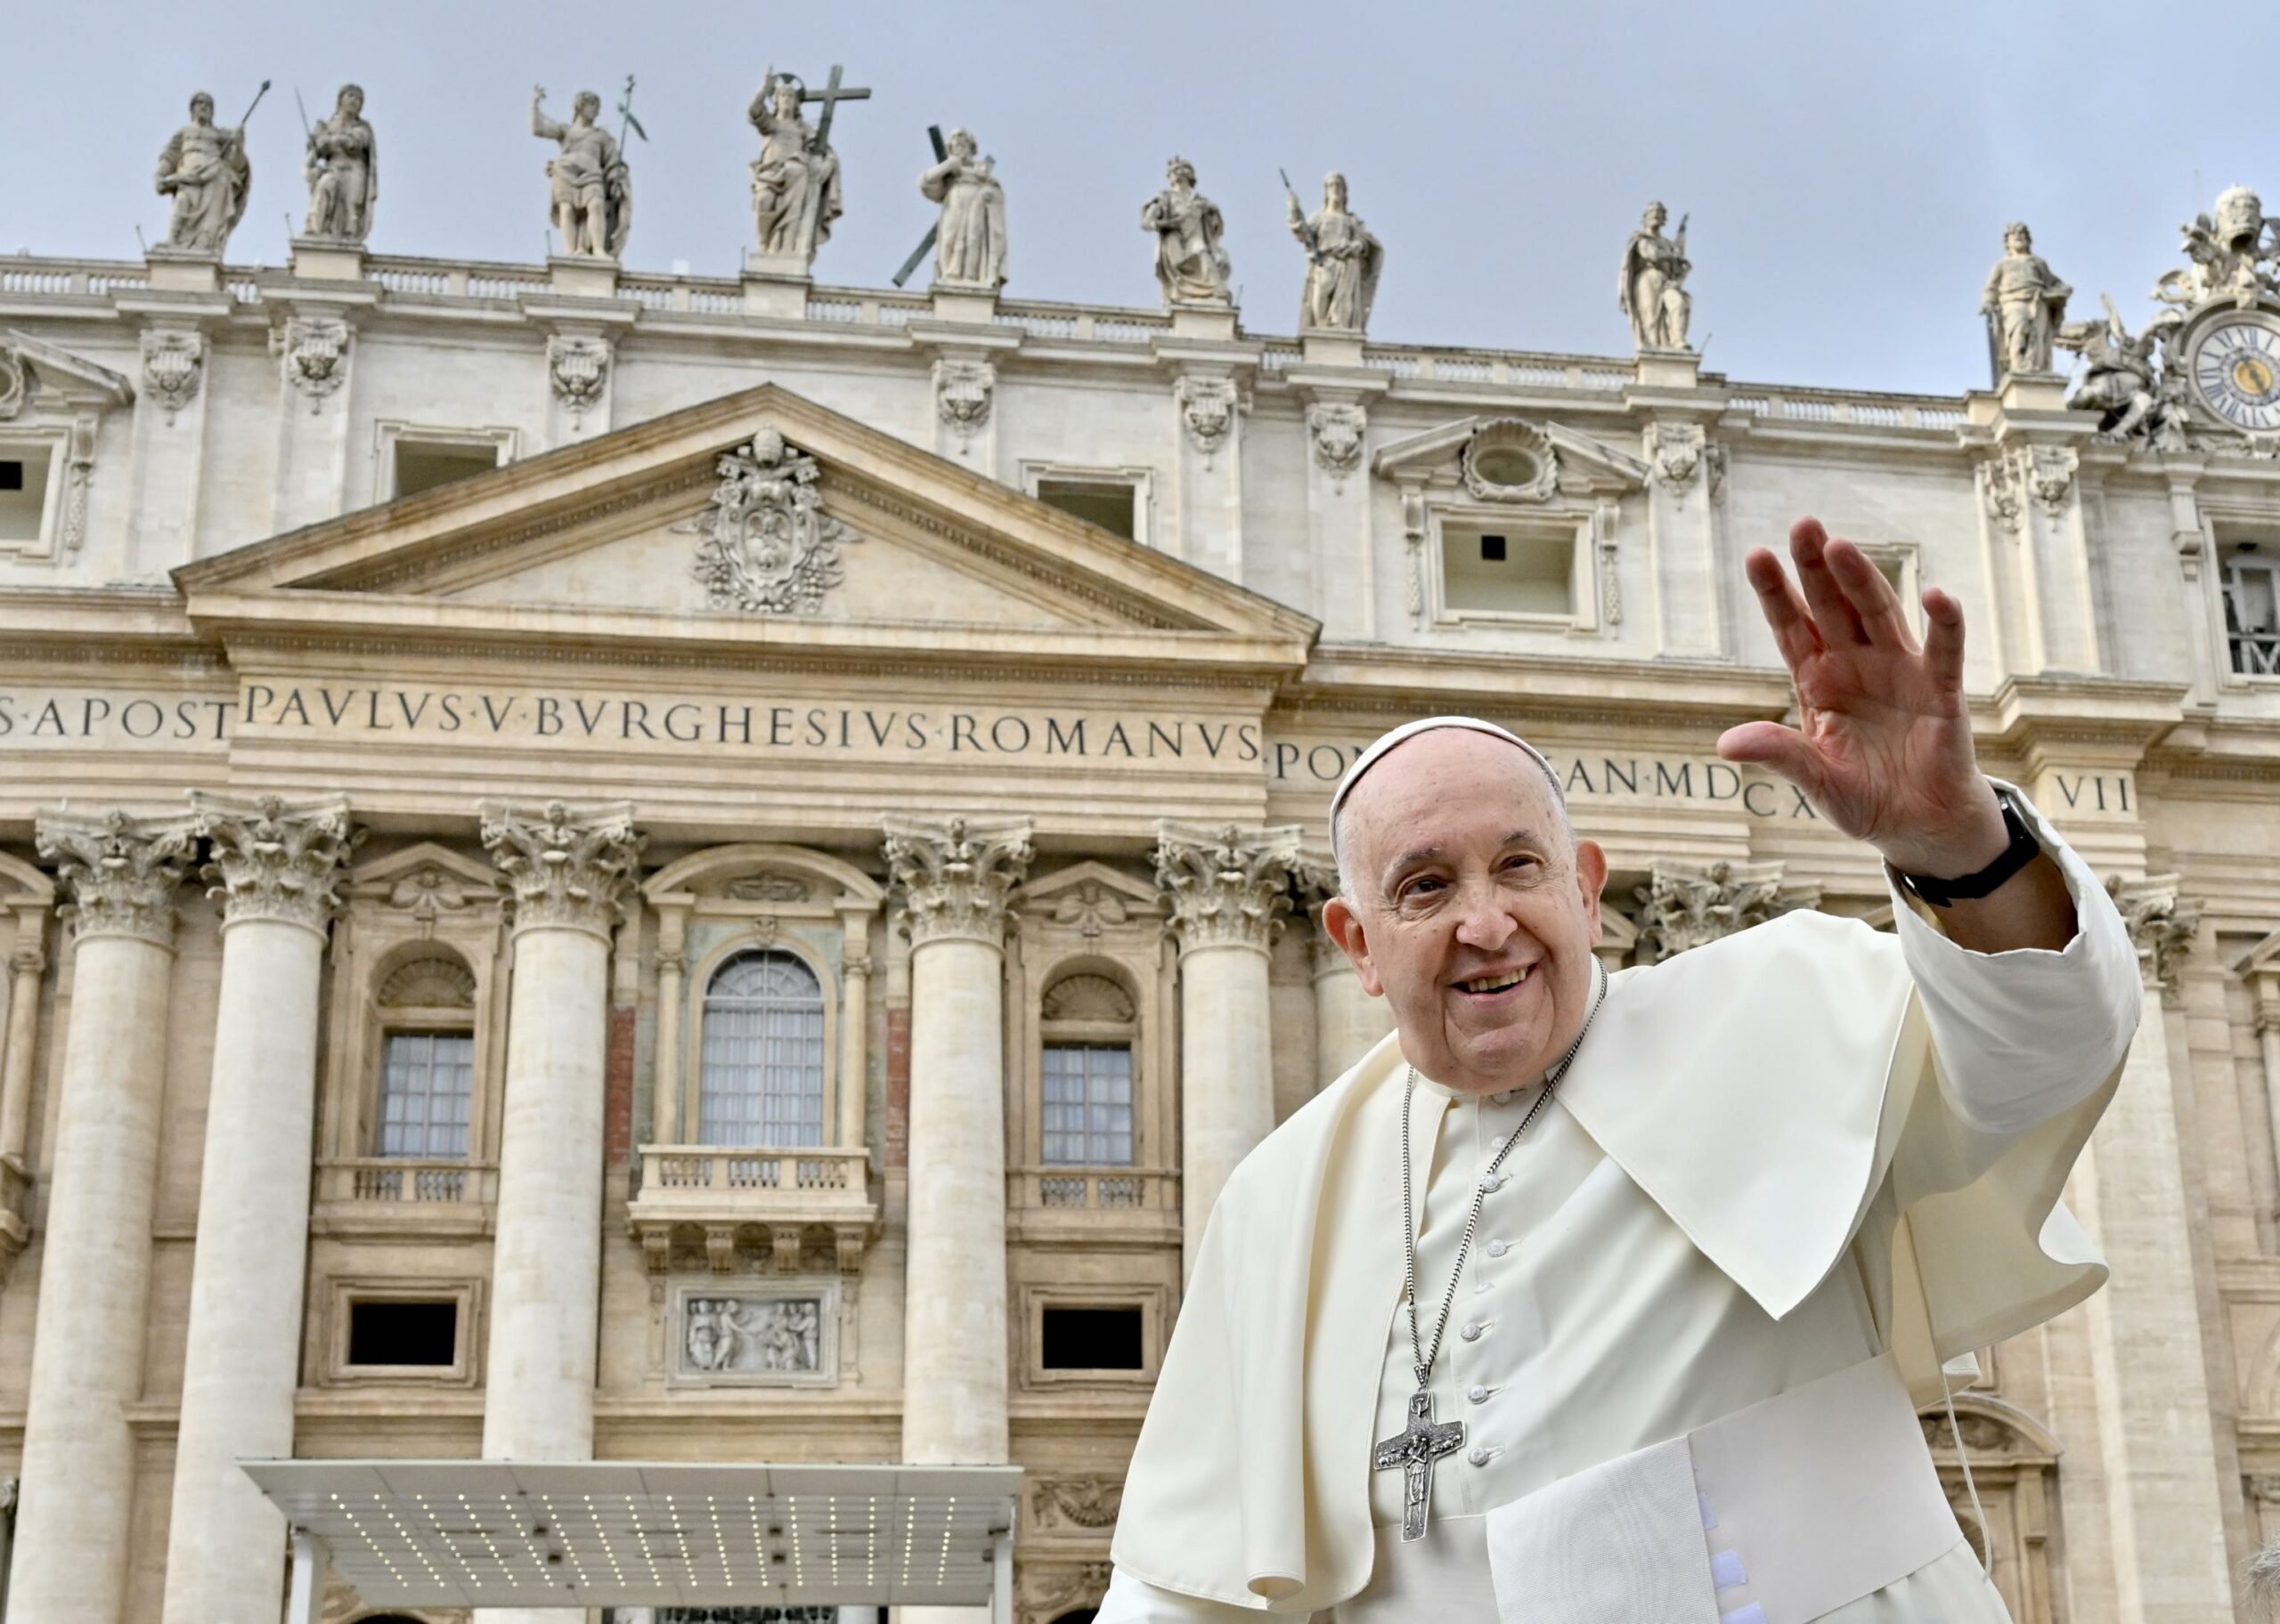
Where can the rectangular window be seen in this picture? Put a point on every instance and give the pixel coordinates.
(1092, 1339)
(400, 1334)
(1109, 503)
(1508, 572)
(427, 1085)
(2251, 584)
(424, 464)
(23, 491)
(1088, 1105)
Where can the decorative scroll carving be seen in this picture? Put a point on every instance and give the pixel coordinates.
(769, 547)
(1675, 450)
(437, 981)
(560, 867)
(174, 365)
(2162, 925)
(955, 876)
(1092, 907)
(428, 893)
(1088, 997)
(1998, 488)
(1688, 905)
(1075, 1502)
(1335, 428)
(963, 392)
(1207, 407)
(121, 872)
(271, 860)
(767, 887)
(313, 354)
(1508, 460)
(1227, 887)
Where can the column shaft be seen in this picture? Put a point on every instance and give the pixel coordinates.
(667, 1077)
(1347, 1020)
(854, 1049)
(1226, 1073)
(25, 966)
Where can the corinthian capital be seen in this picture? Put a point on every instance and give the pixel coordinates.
(1227, 887)
(562, 867)
(955, 876)
(274, 859)
(2161, 925)
(1688, 905)
(121, 872)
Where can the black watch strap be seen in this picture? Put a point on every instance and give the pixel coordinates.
(2022, 850)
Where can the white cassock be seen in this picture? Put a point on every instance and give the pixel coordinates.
(1789, 1175)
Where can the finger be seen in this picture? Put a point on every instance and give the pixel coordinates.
(1840, 626)
(1871, 596)
(1781, 750)
(1943, 641)
(1785, 611)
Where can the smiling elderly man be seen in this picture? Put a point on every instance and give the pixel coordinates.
(1591, 1299)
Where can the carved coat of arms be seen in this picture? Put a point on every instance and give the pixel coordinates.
(767, 546)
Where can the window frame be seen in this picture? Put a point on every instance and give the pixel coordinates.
(390, 1029)
(1051, 1038)
(1130, 1033)
(701, 995)
(391, 433)
(1575, 531)
(344, 1291)
(1141, 480)
(27, 443)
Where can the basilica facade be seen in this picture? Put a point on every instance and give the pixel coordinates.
(600, 865)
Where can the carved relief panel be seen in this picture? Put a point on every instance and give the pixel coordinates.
(746, 1333)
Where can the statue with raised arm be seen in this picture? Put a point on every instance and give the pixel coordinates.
(2025, 302)
(204, 170)
(2121, 377)
(1651, 290)
(592, 190)
(796, 179)
(1190, 266)
(1343, 261)
(343, 171)
(970, 241)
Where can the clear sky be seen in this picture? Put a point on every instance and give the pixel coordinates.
(1848, 167)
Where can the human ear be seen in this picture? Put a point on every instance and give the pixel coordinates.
(1591, 879)
(1345, 928)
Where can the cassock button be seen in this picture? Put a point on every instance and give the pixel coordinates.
(1492, 1183)
(1478, 1395)
(1503, 1097)
(1497, 1248)
(1480, 1456)
(1470, 1331)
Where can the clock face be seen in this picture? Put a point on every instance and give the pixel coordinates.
(2236, 370)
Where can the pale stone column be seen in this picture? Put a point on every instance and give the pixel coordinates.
(566, 873)
(1347, 1019)
(27, 962)
(669, 1077)
(854, 1028)
(1227, 888)
(954, 878)
(94, 1276)
(274, 867)
(1688, 905)
(2165, 1522)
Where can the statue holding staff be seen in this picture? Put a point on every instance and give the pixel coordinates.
(970, 241)
(1343, 261)
(590, 189)
(203, 168)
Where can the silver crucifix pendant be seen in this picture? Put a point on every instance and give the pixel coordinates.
(1414, 1449)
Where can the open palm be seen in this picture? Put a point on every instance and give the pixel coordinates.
(1883, 742)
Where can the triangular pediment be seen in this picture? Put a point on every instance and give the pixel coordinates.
(757, 515)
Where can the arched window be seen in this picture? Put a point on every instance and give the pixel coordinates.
(427, 1008)
(1086, 1073)
(761, 1081)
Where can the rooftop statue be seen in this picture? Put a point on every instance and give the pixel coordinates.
(1343, 261)
(1191, 265)
(2122, 379)
(592, 190)
(2234, 254)
(2025, 302)
(204, 169)
(796, 193)
(1651, 290)
(970, 239)
(343, 172)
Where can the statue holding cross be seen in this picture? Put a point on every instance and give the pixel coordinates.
(795, 187)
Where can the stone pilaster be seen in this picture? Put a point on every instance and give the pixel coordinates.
(954, 878)
(1347, 1020)
(315, 346)
(72, 1527)
(1208, 474)
(1686, 905)
(2165, 1517)
(1682, 539)
(273, 866)
(565, 872)
(1228, 889)
(26, 965)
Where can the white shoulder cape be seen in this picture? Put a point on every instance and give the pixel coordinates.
(1755, 1089)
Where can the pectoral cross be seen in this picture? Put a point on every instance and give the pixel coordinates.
(1414, 1449)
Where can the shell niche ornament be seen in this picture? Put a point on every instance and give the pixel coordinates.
(1509, 461)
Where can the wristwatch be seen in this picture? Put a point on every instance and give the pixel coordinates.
(2022, 850)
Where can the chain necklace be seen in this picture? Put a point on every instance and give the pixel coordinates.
(1424, 1441)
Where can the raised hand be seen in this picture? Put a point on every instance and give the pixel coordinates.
(1883, 742)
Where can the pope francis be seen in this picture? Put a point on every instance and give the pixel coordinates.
(1591, 1299)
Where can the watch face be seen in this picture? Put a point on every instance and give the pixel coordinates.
(2236, 370)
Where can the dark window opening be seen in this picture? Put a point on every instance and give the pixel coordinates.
(403, 1333)
(1492, 550)
(1107, 503)
(422, 467)
(1093, 1339)
(12, 476)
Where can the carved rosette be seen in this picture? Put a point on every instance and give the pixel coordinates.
(1208, 408)
(2162, 926)
(955, 876)
(1688, 905)
(962, 393)
(767, 546)
(1675, 452)
(174, 365)
(121, 872)
(578, 370)
(312, 354)
(1335, 429)
(1227, 887)
(561, 868)
(269, 860)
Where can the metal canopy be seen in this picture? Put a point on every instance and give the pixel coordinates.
(484, 1533)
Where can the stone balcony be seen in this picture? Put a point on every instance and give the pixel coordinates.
(1094, 1205)
(386, 1195)
(733, 1201)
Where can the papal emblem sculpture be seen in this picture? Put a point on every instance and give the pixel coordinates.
(1190, 266)
(795, 183)
(769, 548)
(204, 170)
(1651, 291)
(1343, 261)
(591, 187)
(2234, 254)
(343, 172)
